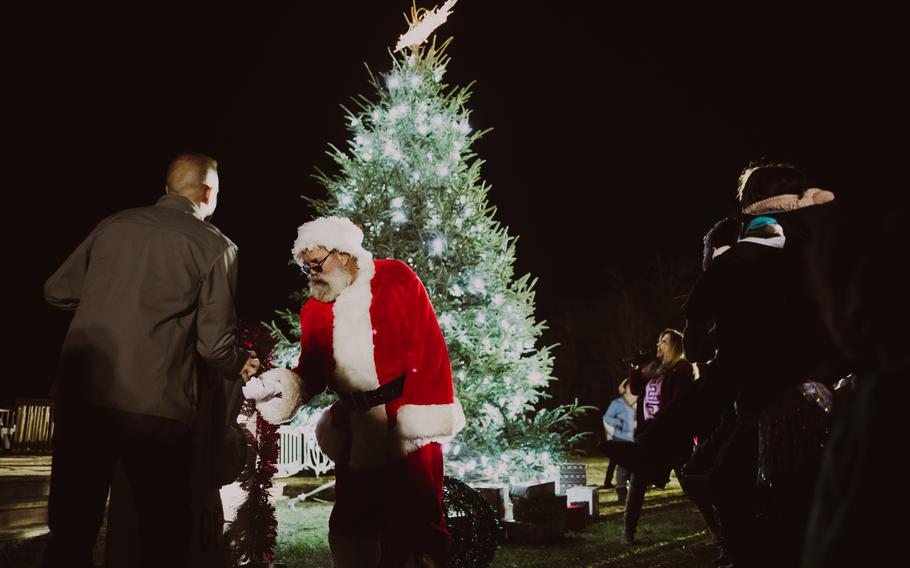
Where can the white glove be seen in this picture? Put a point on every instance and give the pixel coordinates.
(259, 390)
(277, 394)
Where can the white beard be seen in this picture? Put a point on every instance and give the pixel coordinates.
(326, 287)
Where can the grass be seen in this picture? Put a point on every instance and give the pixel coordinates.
(303, 534)
(670, 533)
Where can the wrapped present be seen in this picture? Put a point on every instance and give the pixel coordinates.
(538, 509)
(576, 515)
(532, 489)
(588, 494)
(571, 475)
(535, 533)
(495, 495)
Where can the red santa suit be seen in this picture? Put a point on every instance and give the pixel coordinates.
(388, 458)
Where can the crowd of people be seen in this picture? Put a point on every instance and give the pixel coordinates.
(779, 451)
(784, 324)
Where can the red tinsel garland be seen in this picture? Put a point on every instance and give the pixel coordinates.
(264, 524)
(254, 532)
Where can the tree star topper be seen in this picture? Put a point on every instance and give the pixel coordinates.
(421, 26)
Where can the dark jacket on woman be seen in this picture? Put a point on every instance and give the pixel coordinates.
(677, 380)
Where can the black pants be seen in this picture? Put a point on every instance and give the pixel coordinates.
(638, 485)
(732, 485)
(156, 456)
(697, 490)
(608, 478)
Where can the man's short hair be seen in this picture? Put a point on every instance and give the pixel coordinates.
(187, 172)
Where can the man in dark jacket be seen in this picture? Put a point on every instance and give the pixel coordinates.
(153, 293)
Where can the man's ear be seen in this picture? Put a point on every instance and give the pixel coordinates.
(207, 194)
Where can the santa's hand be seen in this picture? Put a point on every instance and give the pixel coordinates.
(277, 394)
(259, 390)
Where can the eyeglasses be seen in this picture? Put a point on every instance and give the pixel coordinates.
(309, 269)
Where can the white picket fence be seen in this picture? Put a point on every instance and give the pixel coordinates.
(299, 451)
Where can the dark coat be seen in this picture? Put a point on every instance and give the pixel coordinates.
(153, 291)
(770, 333)
(678, 380)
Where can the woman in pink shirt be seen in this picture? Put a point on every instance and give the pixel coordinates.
(657, 386)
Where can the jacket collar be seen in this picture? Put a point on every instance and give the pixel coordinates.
(180, 203)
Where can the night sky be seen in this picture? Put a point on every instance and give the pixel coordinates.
(618, 134)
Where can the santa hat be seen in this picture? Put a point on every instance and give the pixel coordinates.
(331, 233)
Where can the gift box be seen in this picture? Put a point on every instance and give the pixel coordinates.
(535, 533)
(538, 514)
(571, 475)
(495, 495)
(576, 516)
(532, 489)
(538, 509)
(587, 494)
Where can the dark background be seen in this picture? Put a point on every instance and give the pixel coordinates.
(619, 134)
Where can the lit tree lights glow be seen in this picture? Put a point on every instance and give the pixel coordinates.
(409, 178)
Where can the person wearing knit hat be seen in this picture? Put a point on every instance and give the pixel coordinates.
(369, 333)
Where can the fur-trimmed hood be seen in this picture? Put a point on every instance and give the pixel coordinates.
(790, 201)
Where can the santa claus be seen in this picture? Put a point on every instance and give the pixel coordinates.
(369, 333)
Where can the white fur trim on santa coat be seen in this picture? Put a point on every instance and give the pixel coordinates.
(332, 233)
(420, 424)
(279, 409)
(352, 335)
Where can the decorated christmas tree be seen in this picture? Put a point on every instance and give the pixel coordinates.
(409, 178)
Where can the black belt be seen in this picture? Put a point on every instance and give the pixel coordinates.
(364, 400)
